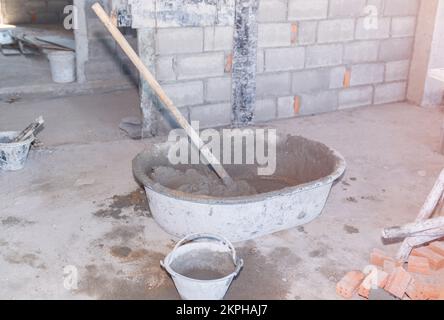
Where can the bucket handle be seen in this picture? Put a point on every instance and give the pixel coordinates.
(191, 237)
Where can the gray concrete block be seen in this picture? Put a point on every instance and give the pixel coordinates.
(218, 89)
(346, 8)
(272, 11)
(324, 101)
(396, 49)
(307, 10)
(265, 110)
(310, 81)
(283, 59)
(164, 68)
(323, 55)
(185, 93)
(336, 30)
(285, 107)
(355, 97)
(218, 38)
(200, 65)
(179, 40)
(213, 115)
(361, 51)
(337, 77)
(397, 70)
(274, 35)
(273, 84)
(401, 7)
(370, 73)
(365, 32)
(390, 92)
(403, 26)
(307, 31)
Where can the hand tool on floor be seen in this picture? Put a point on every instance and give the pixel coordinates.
(155, 86)
(29, 130)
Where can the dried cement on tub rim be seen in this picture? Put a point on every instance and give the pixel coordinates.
(139, 172)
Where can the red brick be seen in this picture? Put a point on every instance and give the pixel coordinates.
(377, 257)
(436, 260)
(349, 283)
(294, 33)
(419, 265)
(228, 63)
(389, 266)
(347, 78)
(398, 282)
(296, 104)
(379, 276)
(422, 291)
(438, 247)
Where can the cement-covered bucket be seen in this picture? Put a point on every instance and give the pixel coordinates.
(203, 266)
(13, 154)
(63, 67)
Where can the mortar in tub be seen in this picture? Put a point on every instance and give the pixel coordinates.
(294, 195)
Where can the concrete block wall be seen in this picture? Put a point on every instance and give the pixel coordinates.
(194, 66)
(313, 56)
(320, 55)
(33, 11)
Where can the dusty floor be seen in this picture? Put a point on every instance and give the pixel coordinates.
(76, 205)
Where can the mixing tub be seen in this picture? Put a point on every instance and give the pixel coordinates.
(293, 196)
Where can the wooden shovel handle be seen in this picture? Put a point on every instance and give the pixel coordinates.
(155, 86)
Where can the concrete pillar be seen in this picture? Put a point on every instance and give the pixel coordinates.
(81, 38)
(244, 62)
(147, 51)
(428, 55)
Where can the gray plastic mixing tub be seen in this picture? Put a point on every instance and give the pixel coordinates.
(312, 166)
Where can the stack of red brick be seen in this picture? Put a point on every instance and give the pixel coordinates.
(414, 280)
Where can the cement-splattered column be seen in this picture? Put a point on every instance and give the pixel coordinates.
(244, 62)
(147, 51)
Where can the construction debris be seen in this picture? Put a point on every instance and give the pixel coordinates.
(416, 280)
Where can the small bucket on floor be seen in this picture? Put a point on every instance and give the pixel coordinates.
(13, 154)
(203, 266)
(63, 67)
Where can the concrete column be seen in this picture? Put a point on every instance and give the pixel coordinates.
(147, 51)
(428, 55)
(244, 62)
(81, 38)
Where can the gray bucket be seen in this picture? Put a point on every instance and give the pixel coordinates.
(203, 266)
(63, 67)
(13, 155)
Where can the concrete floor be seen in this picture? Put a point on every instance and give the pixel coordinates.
(77, 204)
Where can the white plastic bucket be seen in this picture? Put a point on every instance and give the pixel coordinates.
(63, 67)
(13, 154)
(203, 266)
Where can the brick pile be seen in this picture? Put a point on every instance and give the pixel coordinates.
(417, 279)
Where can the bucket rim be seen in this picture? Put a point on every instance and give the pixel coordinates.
(14, 144)
(238, 262)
